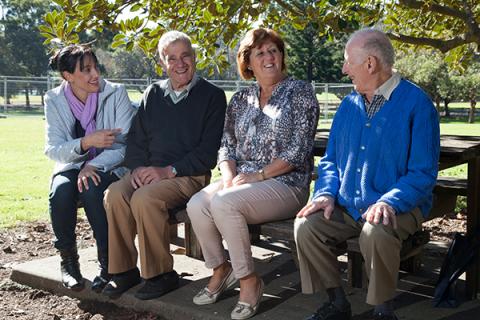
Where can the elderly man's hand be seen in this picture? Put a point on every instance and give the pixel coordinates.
(145, 175)
(381, 211)
(325, 203)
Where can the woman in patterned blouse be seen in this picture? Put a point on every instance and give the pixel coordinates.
(265, 160)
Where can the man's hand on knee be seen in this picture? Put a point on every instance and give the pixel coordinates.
(381, 212)
(135, 179)
(325, 203)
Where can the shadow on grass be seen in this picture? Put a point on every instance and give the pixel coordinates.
(14, 111)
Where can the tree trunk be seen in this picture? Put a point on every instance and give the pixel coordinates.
(27, 97)
(309, 71)
(437, 104)
(471, 114)
(447, 111)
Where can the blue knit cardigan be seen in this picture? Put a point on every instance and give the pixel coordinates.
(392, 157)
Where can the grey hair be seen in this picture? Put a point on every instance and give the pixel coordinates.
(375, 42)
(170, 37)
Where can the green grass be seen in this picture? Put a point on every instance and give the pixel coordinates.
(25, 173)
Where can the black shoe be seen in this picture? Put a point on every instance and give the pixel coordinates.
(158, 286)
(121, 282)
(331, 312)
(70, 268)
(100, 281)
(383, 316)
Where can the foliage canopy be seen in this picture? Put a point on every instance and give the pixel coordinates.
(451, 26)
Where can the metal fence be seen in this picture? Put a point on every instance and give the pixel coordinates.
(27, 92)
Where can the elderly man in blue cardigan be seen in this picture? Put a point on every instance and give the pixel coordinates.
(375, 180)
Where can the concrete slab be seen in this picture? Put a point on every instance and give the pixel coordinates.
(282, 298)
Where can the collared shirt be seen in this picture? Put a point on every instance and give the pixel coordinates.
(381, 95)
(176, 98)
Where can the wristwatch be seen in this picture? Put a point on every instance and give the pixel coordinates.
(262, 173)
(174, 171)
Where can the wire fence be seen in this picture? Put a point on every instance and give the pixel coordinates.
(26, 93)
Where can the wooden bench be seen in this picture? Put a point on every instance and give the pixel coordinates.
(451, 185)
(445, 195)
(192, 246)
(410, 253)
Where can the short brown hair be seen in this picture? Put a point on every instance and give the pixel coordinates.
(253, 39)
(66, 58)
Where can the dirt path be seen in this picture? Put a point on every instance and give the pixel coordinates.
(33, 241)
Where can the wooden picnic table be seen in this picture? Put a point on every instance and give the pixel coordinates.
(454, 150)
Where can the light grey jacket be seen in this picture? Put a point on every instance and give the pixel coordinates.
(114, 110)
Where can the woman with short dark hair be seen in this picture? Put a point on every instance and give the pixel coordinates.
(266, 162)
(87, 119)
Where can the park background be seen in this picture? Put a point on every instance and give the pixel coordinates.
(437, 44)
(126, 33)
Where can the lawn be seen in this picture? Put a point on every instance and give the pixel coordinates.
(25, 170)
(24, 180)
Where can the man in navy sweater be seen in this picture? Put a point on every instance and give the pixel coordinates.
(375, 180)
(171, 147)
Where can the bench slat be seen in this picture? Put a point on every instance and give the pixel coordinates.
(451, 185)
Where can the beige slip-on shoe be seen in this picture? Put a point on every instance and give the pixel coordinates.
(245, 310)
(204, 296)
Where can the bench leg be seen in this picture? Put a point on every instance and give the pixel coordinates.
(355, 269)
(254, 231)
(412, 264)
(293, 249)
(192, 246)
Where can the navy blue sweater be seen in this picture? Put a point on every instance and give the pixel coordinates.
(391, 158)
(185, 135)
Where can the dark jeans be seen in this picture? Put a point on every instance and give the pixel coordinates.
(64, 197)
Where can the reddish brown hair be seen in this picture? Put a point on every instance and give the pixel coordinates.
(253, 39)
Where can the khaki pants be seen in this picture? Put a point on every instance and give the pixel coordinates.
(144, 211)
(379, 244)
(218, 213)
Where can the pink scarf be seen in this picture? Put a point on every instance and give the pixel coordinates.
(85, 113)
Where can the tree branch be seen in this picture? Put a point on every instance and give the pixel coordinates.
(442, 45)
(441, 9)
(294, 8)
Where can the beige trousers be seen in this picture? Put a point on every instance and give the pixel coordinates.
(218, 213)
(144, 211)
(380, 246)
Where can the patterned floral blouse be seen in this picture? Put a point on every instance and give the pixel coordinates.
(284, 129)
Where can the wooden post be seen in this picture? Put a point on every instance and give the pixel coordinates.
(473, 225)
(192, 246)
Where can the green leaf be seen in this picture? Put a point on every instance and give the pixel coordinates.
(43, 28)
(136, 7)
(84, 9)
(159, 70)
(119, 37)
(207, 16)
(49, 18)
(116, 44)
(70, 27)
(154, 32)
